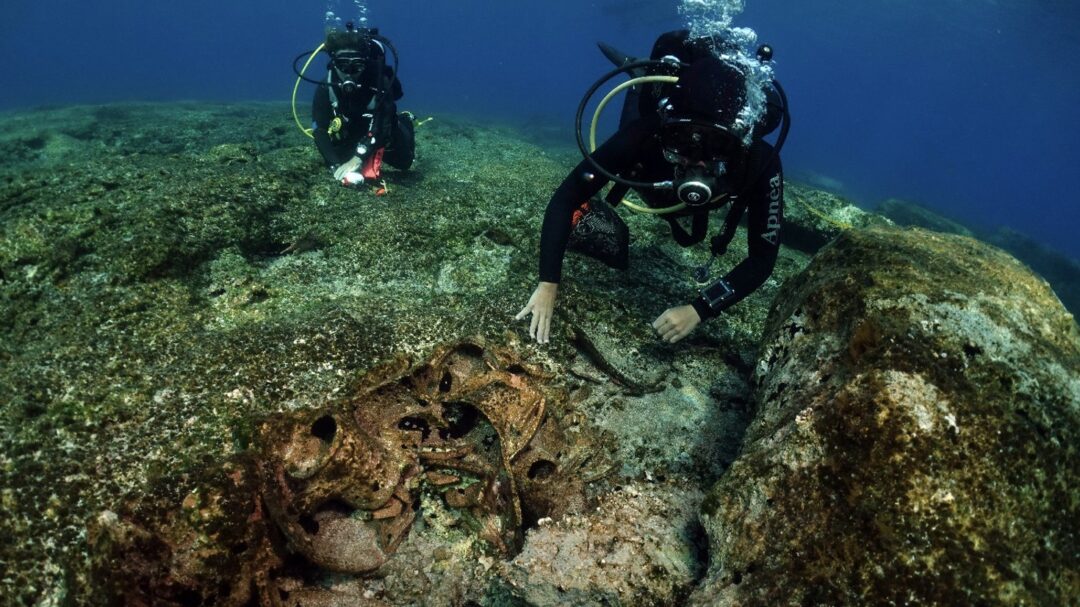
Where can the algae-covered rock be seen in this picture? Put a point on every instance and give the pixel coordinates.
(691, 428)
(915, 439)
(910, 214)
(813, 217)
(1061, 272)
(639, 547)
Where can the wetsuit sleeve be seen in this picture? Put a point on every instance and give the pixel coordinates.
(321, 115)
(616, 155)
(766, 216)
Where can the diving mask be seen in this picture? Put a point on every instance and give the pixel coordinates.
(699, 140)
(350, 67)
(702, 153)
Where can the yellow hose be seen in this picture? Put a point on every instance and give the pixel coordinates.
(296, 88)
(615, 91)
(596, 119)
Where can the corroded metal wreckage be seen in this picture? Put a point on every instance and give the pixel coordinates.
(336, 491)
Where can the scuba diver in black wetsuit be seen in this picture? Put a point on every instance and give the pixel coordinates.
(356, 125)
(686, 147)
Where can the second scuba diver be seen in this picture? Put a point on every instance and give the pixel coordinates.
(356, 124)
(687, 149)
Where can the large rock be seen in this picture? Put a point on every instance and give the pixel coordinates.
(1059, 270)
(910, 214)
(915, 440)
(639, 547)
(813, 217)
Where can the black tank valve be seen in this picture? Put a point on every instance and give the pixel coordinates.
(765, 52)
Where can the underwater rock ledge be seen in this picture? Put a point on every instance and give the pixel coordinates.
(915, 439)
(200, 289)
(200, 274)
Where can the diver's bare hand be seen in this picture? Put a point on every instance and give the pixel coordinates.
(542, 306)
(348, 174)
(676, 323)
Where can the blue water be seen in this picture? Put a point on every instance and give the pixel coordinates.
(968, 106)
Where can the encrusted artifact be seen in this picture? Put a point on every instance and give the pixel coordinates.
(342, 486)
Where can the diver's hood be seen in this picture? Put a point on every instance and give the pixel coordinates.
(709, 90)
(679, 44)
(358, 40)
(697, 140)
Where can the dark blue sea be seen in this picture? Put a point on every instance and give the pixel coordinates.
(969, 107)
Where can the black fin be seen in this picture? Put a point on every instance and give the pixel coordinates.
(630, 105)
(614, 55)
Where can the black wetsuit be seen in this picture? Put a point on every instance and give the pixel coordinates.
(635, 150)
(369, 117)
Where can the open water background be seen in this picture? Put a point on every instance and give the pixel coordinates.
(967, 106)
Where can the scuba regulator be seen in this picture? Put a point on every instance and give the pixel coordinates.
(348, 78)
(693, 185)
(704, 155)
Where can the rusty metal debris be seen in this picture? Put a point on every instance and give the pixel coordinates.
(338, 490)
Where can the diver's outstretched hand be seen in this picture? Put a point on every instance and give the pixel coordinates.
(542, 307)
(676, 323)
